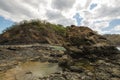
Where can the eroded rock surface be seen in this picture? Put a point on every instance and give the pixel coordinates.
(87, 56)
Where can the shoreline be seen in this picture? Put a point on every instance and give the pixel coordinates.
(73, 68)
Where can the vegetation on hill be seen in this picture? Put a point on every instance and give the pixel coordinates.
(37, 31)
(34, 31)
(113, 38)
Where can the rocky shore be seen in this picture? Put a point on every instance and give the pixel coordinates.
(103, 65)
(12, 56)
(83, 55)
(77, 64)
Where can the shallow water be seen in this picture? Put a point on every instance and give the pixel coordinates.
(30, 70)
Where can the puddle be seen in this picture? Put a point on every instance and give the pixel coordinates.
(30, 70)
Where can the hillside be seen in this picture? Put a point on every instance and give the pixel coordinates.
(84, 36)
(34, 31)
(113, 38)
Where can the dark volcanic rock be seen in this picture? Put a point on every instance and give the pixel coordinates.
(90, 53)
(83, 42)
(80, 36)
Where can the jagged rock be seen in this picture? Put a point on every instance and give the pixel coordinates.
(79, 36)
(92, 51)
(83, 43)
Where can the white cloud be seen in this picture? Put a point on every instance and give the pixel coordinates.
(62, 11)
(22, 9)
(18, 10)
(114, 30)
(98, 26)
(59, 18)
(62, 4)
(117, 28)
(103, 14)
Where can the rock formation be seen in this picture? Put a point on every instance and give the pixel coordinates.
(87, 55)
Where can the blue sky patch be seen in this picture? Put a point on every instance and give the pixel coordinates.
(78, 18)
(112, 24)
(5, 23)
(92, 6)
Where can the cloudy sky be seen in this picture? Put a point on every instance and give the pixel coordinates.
(100, 15)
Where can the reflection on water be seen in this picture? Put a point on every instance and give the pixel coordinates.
(30, 70)
(118, 48)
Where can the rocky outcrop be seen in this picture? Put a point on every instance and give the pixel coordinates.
(90, 54)
(87, 56)
(91, 51)
(80, 36)
(82, 41)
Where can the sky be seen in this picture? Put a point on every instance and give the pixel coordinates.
(102, 16)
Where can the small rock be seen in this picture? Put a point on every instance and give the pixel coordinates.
(76, 69)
